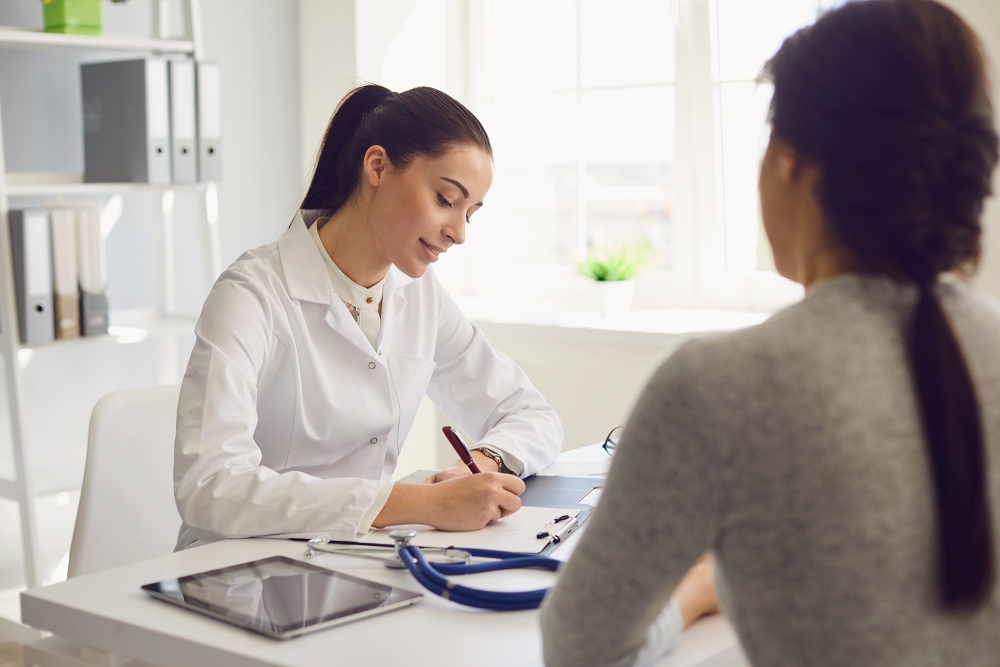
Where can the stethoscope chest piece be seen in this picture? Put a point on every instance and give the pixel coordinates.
(381, 552)
(402, 540)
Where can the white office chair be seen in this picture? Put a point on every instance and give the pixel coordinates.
(127, 510)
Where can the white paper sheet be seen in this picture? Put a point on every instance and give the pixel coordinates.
(517, 532)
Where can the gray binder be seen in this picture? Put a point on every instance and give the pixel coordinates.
(94, 313)
(209, 122)
(31, 245)
(184, 155)
(93, 274)
(126, 121)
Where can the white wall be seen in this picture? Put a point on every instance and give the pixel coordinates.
(327, 68)
(256, 43)
(984, 17)
(591, 378)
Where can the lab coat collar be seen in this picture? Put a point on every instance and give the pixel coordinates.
(305, 273)
(307, 280)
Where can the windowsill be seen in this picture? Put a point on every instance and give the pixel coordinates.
(557, 297)
(562, 317)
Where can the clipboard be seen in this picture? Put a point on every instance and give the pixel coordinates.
(531, 531)
(565, 492)
(543, 492)
(559, 491)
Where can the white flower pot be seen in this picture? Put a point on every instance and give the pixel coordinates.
(615, 297)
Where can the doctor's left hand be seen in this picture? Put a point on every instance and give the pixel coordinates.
(459, 469)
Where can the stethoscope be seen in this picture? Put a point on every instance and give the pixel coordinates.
(451, 561)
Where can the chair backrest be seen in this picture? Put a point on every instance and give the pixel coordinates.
(127, 511)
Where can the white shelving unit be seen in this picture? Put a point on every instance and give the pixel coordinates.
(18, 185)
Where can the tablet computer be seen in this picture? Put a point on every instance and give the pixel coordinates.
(280, 597)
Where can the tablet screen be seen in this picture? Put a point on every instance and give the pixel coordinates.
(279, 596)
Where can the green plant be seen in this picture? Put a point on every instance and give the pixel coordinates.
(620, 263)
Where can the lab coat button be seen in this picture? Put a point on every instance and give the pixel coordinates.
(374, 440)
(371, 365)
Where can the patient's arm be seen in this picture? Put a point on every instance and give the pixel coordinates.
(696, 592)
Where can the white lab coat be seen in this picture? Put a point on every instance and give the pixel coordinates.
(289, 422)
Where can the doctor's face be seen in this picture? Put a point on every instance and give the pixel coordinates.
(423, 210)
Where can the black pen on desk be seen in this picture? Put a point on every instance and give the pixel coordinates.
(559, 519)
(461, 449)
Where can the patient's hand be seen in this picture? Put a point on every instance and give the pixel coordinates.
(696, 592)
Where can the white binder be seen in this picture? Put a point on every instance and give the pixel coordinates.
(93, 272)
(126, 121)
(65, 273)
(32, 249)
(184, 156)
(209, 122)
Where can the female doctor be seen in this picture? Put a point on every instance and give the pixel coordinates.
(313, 352)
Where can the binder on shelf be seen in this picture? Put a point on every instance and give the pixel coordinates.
(126, 121)
(32, 250)
(209, 122)
(93, 274)
(184, 154)
(64, 273)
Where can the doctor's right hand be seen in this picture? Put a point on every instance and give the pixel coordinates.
(463, 503)
(472, 501)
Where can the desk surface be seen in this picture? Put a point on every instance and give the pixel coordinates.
(108, 611)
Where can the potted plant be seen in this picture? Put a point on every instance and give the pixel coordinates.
(613, 271)
(78, 17)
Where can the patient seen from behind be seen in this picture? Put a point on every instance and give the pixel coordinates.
(840, 461)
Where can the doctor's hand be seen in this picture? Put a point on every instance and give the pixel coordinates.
(471, 501)
(468, 502)
(459, 469)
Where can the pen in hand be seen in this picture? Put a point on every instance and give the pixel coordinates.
(461, 449)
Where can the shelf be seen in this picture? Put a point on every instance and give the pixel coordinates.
(21, 184)
(126, 327)
(27, 38)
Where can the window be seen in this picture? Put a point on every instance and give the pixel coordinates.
(612, 122)
(580, 105)
(744, 36)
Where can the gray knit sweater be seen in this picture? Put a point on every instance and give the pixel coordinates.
(794, 452)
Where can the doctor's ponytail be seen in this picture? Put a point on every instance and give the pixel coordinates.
(418, 122)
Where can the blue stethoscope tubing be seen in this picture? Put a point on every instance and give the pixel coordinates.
(431, 576)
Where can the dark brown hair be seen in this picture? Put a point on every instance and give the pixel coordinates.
(890, 99)
(418, 122)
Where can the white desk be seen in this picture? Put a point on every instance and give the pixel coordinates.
(115, 622)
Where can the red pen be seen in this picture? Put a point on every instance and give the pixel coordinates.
(461, 448)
